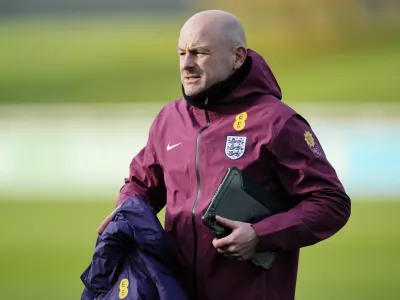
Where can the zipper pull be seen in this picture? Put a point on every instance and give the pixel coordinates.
(206, 112)
(206, 103)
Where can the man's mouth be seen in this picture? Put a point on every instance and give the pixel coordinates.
(190, 79)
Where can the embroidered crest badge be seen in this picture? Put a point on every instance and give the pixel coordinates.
(235, 146)
(308, 137)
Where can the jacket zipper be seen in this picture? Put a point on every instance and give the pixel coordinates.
(198, 197)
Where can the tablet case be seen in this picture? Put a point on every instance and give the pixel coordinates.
(239, 198)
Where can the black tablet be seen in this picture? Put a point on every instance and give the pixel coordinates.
(239, 198)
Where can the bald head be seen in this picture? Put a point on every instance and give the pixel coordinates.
(218, 24)
(212, 46)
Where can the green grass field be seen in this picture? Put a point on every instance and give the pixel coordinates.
(127, 60)
(46, 246)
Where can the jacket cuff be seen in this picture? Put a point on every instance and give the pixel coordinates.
(263, 230)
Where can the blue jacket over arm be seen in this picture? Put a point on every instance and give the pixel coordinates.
(133, 258)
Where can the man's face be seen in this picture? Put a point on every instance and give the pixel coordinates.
(204, 60)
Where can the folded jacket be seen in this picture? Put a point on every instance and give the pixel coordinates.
(133, 259)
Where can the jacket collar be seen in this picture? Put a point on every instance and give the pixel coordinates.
(214, 95)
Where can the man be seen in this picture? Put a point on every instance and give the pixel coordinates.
(229, 93)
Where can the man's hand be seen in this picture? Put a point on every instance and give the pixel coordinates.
(241, 243)
(106, 221)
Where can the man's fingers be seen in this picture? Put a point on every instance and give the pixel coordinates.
(232, 251)
(104, 224)
(222, 243)
(226, 222)
(106, 221)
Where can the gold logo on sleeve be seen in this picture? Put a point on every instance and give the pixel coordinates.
(309, 139)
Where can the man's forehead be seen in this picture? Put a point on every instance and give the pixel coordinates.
(197, 39)
(195, 45)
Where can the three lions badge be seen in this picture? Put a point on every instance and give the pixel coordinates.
(235, 146)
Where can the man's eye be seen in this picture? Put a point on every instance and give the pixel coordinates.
(181, 53)
(197, 52)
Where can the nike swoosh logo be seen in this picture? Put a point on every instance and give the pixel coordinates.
(173, 146)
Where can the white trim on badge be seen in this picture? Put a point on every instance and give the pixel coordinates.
(235, 146)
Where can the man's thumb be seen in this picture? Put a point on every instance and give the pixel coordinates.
(104, 224)
(106, 221)
(226, 222)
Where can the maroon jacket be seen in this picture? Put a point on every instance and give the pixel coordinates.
(189, 150)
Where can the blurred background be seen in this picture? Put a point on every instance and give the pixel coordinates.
(81, 81)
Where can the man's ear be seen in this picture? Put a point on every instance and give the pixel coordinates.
(240, 56)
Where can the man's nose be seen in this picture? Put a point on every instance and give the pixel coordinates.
(188, 61)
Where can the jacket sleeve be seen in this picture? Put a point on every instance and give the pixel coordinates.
(305, 173)
(146, 179)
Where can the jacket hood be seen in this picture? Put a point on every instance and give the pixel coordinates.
(260, 79)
